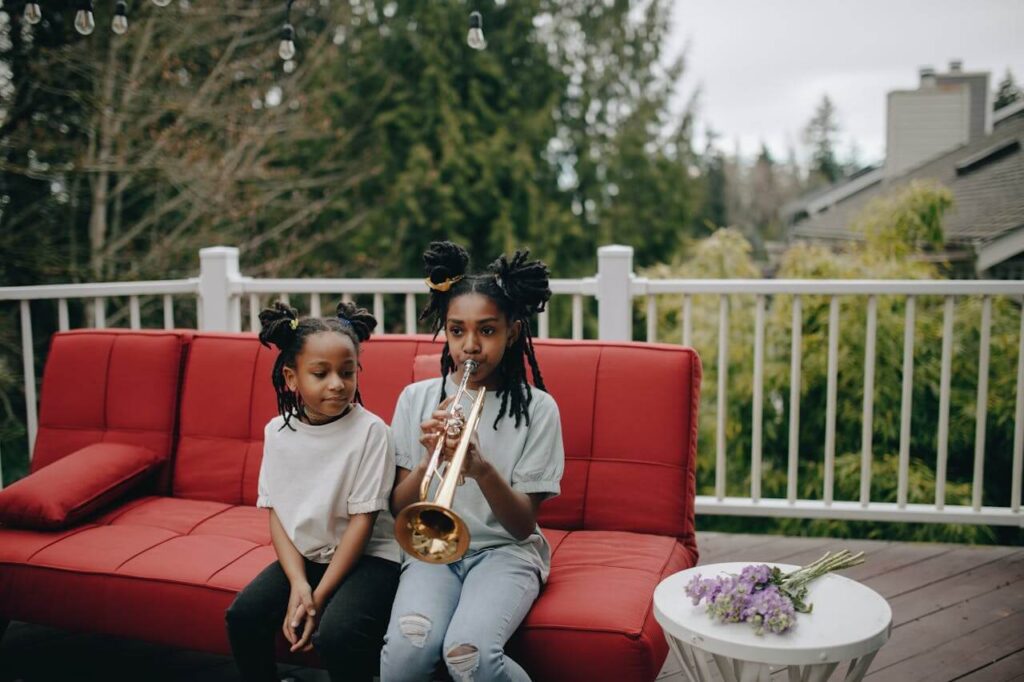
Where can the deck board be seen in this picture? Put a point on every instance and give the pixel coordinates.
(958, 614)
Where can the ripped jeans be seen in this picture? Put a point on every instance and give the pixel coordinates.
(465, 611)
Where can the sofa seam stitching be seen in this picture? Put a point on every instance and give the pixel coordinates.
(143, 551)
(54, 542)
(240, 556)
(593, 420)
(245, 461)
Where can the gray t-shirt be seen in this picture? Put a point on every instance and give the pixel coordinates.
(530, 458)
(315, 477)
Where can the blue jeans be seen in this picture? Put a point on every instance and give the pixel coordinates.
(466, 610)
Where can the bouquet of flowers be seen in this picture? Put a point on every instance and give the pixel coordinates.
(764, 596)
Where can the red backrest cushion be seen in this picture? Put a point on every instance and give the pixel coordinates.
(629, 423)
(109, 386)
(629, 416)
(227, 399)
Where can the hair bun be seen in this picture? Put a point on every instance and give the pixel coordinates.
(363, 323)
(277, 325)
(526, 282)
(444, 260)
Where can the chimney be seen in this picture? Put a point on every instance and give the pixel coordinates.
(956, 65)
(927, 74)
(938, 116)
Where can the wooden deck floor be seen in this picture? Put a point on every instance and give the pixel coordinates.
(958, 615)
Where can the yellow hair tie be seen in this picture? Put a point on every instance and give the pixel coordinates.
(294, 324)
(443, 286)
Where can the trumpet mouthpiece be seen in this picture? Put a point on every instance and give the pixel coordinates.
(470, 366)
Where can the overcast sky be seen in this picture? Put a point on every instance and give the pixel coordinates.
(762, 66)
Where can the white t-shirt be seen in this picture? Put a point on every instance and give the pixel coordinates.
(531, 458)
(315, 477)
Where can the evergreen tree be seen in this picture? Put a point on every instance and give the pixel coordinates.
(1007, 92)
(821, 135)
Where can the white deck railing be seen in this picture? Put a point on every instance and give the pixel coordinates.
(224, 298)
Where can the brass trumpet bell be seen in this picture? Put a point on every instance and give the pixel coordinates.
(431, 531)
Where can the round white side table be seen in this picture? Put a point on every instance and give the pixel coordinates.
(849, 622)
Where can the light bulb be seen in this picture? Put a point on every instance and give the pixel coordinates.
(475, 37)
(33, 13)
(161, 3)
(85, 23)
(120, 23)
(286, 50)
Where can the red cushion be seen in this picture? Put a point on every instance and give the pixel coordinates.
(593, 619)
(72, 488)
(426, 367)
(227, 399)
(109, 386)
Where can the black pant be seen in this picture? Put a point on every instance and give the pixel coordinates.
(351, 626)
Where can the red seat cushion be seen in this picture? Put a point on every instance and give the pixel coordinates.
(76, 486)
(596, 609)
(158, 568)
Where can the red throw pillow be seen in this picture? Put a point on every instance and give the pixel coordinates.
(65, 492)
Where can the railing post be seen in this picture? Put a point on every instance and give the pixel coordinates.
(614, 293)
(218, 269)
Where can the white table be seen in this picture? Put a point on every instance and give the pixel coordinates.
(849, 622)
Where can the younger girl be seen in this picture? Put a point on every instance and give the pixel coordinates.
(466, 611)
(328, 468)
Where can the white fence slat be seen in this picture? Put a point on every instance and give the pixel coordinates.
(830, 401)
(652, 318)
(577, 316)
(99, 311)
(867, 419)
(723, 376)
(168, 312)
(687, 320)
(758, 397)
(795, 362)
(254, 313)
(410, 313)
(134, 314)
(543, 327)
(28, 364)
(378, 312)
(1018, 423)
(906, 402)
(314, 306)
(982, 404)
(63, 319)
(942, 446)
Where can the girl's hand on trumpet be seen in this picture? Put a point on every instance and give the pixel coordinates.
(474, 465)
(432, 428)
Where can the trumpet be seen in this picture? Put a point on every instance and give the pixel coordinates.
(431, 531)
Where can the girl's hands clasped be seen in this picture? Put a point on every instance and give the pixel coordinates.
(300, 619)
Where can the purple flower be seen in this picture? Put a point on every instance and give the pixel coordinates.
(763, 596)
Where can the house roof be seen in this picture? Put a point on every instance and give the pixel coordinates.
(986, 178)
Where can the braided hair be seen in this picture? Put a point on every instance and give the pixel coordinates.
(519, 287)
(280, 326)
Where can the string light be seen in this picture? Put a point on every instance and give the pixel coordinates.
(120, 23)
(286, 50)
(33, 13)
(475, 36)
(85, 22)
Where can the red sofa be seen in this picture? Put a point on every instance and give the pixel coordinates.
(163, 563)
